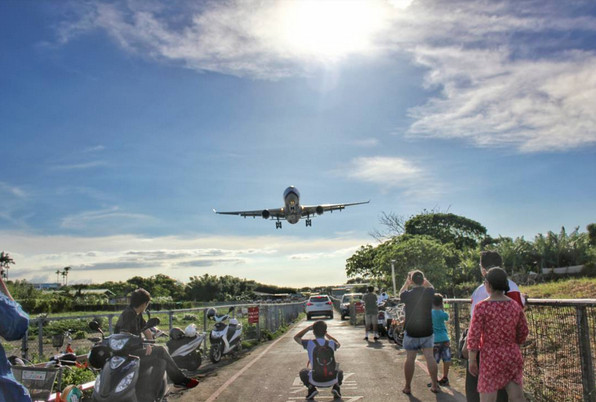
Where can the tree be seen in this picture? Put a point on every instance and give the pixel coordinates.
(362, 262)
(393, 225)
(447, 228)
(591, 228)
(5, 262)
(65, 275)
(58, 276)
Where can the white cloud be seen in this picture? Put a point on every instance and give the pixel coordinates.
(266, 259)
(11, 190)
(103, 218)
(80, 166)
(509, 73)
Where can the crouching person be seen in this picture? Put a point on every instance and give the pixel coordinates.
(321, 359)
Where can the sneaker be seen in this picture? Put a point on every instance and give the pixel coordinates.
(376, 338)
(444, 381)
(336, 392)
(366, 338)
(187, 383)
(312, 392)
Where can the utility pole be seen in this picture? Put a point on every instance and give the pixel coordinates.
(393, 277)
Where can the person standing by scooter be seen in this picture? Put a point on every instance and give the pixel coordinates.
(13, 325)
(131, 321)
(371, 313)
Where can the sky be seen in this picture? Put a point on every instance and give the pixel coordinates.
(125, 123)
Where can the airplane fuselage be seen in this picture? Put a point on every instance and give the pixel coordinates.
(292, 209)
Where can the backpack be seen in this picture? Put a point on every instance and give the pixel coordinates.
(323, 362)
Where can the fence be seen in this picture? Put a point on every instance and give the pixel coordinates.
(42, 329)
(558, 354)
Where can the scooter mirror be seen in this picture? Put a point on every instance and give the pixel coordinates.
(231, 309)
(152, 323)
(94, 326)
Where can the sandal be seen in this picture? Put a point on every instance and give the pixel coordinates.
(409, 392)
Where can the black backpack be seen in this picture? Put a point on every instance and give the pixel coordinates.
(323, 362)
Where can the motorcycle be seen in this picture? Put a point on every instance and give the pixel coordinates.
(121, 377)
(395, 331)
(185, 347)
(224, 338)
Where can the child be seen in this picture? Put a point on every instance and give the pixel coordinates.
(441, 349)
(320, 351)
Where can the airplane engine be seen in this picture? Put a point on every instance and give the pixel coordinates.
(265, 214)
(319, 210)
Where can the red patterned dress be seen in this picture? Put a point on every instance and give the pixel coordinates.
(497, 330)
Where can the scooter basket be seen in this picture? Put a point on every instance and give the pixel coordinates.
(38, 380)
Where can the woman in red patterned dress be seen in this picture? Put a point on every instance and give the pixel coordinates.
(498, 328)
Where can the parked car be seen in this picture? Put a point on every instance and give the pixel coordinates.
(344, 305)
(319, 305)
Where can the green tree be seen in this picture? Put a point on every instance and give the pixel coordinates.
(362, 263)
(5, 262)
(447, 228)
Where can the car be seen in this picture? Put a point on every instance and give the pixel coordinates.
(344, 305)
(319, 305)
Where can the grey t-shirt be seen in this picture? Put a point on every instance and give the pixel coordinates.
(370, 304)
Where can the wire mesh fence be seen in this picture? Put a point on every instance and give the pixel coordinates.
(559, 351)
(44, 332)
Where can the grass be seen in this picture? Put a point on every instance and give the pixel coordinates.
(581, 288)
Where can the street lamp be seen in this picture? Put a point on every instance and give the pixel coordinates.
(393, 277)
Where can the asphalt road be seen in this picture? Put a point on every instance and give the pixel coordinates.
(372, 371)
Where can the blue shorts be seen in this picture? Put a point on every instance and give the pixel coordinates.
(411, 343)
(442, 352)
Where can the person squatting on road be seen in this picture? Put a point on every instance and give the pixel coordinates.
(13, 325)
(131, 321)
(488, 259)
(442, 350)
(371, 313)
(321, 359)
(498, 328)
(419, 327)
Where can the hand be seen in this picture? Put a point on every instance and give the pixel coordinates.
(473, 367)
(148, 350)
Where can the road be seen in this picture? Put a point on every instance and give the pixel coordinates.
(372, 371)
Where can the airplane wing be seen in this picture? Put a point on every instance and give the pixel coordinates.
(310, 210)
(275, 213)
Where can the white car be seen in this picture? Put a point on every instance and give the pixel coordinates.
(344, 306)
(319, 305)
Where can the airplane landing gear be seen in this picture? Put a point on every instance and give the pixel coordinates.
(308, 222)
(278, 225)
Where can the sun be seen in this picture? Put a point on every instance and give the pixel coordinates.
(328, 29)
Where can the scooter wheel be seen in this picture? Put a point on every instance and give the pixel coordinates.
(215, 353)
(193, 362)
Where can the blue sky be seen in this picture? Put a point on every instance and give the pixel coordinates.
(125, 123)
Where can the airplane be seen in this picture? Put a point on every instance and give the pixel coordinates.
(292, 210)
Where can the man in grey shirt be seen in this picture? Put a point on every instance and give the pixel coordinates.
(371, 313)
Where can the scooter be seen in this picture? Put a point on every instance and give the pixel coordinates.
(121, 377)
(224, 338)
(184, 347)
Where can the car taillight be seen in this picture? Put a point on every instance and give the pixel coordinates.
(329, 302)
(309, 304)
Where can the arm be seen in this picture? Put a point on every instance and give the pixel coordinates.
(15, 321)
(333, 339)
(521, 331)
(473, 341)
(299, 335)
(406, 285)
(427, 284)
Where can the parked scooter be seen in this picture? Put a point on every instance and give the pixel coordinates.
(185, 347)
(121, 378)
(224, 338)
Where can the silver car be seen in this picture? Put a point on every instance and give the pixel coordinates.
(319, 305)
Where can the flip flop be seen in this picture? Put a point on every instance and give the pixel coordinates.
(406, 392)
(436, 391)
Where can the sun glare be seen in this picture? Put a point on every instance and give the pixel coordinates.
(329, 29)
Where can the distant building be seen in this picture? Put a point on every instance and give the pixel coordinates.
(46, 286)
